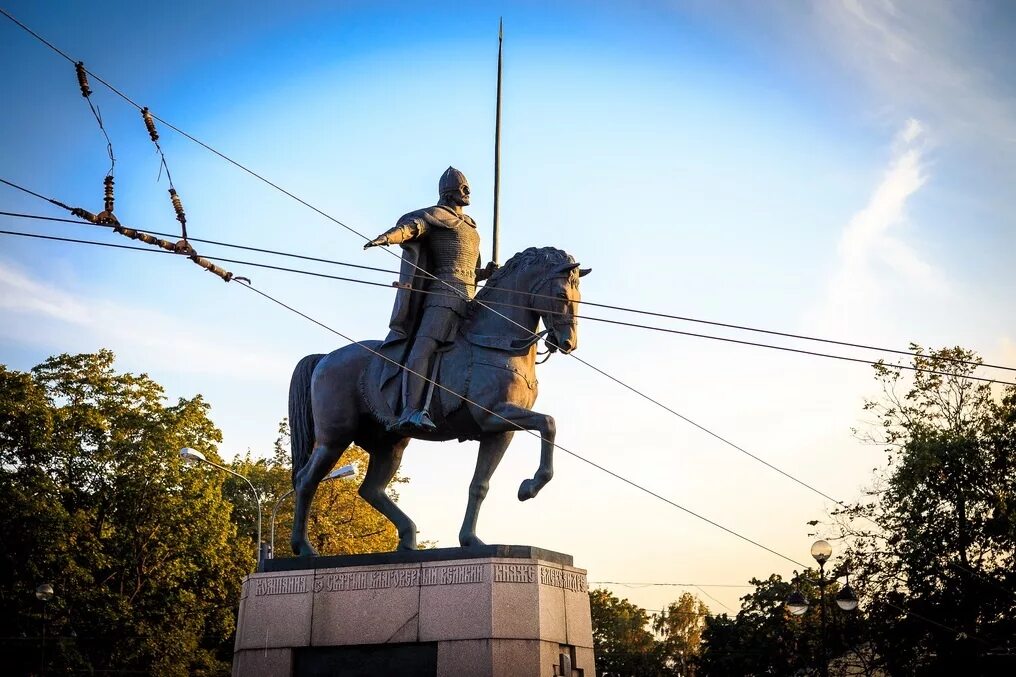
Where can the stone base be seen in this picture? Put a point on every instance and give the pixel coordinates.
(494, 611)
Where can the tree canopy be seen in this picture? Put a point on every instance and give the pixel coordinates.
(146, 556)
(933, 545)
(142, 554)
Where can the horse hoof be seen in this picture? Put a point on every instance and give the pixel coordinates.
(304, 549)
(470, 541)
(407, 546)
(527, 490)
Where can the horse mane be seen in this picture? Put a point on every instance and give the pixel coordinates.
(544, 256)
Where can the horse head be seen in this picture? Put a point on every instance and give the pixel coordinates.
(548, 280)
(555, 298)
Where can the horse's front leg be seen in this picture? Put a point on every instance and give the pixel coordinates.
(510, 417)
(492, 448)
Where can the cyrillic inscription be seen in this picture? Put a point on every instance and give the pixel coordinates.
(367, 580)
(563, 579)
(514, 573)
(453, 575)
(283, 585)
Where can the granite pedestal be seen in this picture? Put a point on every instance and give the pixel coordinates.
(490, 611)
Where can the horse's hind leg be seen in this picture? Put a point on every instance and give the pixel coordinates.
(322, 460)
(492, 448)
(381, 468)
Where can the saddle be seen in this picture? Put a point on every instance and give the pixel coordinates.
(381, 380)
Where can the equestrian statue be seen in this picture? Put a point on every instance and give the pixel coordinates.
(456, 364)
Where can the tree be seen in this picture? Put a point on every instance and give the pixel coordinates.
(933, 545)
(142, 553)
(622, 642)
(680, 626)
(766, 639)
(340, 523)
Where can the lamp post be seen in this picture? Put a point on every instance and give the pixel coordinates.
(797, 604)
(193, 457)
(44, 593)
(820, 552)
(345, 471)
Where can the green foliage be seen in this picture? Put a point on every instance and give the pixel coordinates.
(629, 642)
(933, 546)
(680, 627)
(142, 554)
(622, 642)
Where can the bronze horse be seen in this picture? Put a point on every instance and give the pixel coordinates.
(492, 364)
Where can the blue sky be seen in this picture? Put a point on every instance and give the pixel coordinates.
(835, 168)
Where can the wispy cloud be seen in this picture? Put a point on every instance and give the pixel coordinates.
(33, 312)
(873, 256)
(923, 57)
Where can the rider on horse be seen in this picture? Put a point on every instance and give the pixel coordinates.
(441, 265)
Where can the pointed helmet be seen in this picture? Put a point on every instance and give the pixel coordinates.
(451, 181)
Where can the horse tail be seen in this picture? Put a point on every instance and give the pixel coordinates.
(301, 415)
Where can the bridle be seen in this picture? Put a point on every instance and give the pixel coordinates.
(549, 335)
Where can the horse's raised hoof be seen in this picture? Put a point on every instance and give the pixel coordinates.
(528, 489)
(470, 541)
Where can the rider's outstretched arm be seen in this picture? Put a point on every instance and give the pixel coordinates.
(404, 231)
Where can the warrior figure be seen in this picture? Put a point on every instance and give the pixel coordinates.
(441, 263)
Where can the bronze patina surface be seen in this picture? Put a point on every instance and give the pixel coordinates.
(484, 350)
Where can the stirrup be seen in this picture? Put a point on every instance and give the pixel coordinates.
(414, 420)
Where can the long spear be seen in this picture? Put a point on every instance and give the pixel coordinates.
(497, 144)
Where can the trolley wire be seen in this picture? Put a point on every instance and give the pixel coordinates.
(258, 176)
(516, 425)
(625, 385)
(426, 273)
(488, 302)
(481, 407)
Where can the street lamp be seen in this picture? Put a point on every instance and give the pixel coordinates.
(796, 603)
(44, 593)
(846, 599)
(345, 471)
(194, 457)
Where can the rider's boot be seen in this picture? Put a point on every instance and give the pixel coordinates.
(415, 417)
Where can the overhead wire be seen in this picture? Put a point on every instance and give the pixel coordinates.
(691, 422)
(426, 273)
(556, 445)
(506, 304)
(366, 238)
(442, 387)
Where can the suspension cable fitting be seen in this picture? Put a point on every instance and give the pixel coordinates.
(79, 68)
(150, 124)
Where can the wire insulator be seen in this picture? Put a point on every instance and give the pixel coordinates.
(211, 267)
(108, 184)
(178, 207)
(150, 124)
(145, 237)
(79, 68)
(84, 214)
